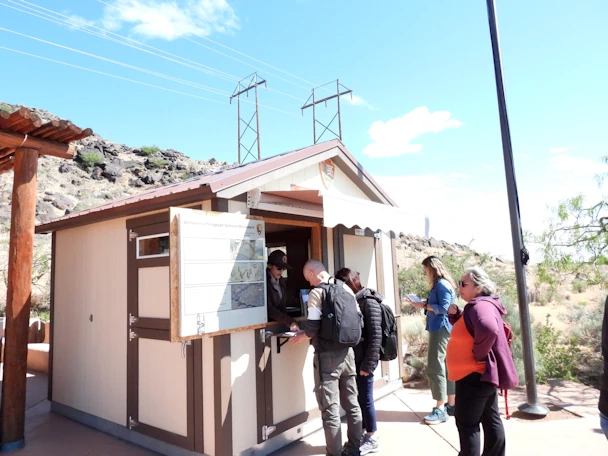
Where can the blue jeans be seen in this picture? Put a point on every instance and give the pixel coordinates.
(603, 423)
(366, 398)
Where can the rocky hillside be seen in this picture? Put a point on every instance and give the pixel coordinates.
(101, 171)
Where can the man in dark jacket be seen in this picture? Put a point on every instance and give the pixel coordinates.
(603, 404)
(276, 290)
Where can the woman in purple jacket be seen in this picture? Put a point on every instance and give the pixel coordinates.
(479, 361)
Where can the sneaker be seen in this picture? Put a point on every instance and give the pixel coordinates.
(436, 416)
(369, 445)
(451, 409)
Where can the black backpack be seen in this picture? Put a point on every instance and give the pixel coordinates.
(341, 320)
(388, 349)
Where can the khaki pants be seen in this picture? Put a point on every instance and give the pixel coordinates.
(437, 370)
(335, 385)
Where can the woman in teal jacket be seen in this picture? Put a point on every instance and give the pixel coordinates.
(441, 296)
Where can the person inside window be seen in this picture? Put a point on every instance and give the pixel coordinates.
(276, 290)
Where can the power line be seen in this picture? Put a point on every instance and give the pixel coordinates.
(69, 22)
(104, 35)
(111, 75)
(219, 52)
(116, 62)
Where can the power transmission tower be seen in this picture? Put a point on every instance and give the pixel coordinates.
(243, 87)
(313, 102)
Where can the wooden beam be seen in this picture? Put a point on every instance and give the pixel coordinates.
(44, 147)
(18, 297)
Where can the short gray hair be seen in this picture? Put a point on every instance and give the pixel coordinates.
(480, 278)
(315, 266)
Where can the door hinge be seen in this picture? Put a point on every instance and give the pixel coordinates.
(132, 235)
(132, 319)
(265, 335)
(132, 335)
(132, 423)
(266, 431)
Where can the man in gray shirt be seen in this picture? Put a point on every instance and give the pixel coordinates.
(334, 370)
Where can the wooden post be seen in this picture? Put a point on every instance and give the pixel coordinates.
(23, 219)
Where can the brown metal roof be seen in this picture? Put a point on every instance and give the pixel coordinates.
(199, 188)
(23, 128)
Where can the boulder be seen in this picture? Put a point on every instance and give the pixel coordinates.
(112, 172)
(64, 168)
(97, 173)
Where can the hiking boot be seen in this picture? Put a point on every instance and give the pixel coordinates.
(451, 409)
(436, 416)
(369, 445)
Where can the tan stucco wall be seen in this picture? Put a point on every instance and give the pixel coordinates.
(90, 357)
(243, 372)
(163, 397)
(310, 178)
(389, 294)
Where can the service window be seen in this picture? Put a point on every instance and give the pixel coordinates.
(218, 281)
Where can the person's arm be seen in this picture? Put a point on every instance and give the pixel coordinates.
(454, 313)
(486, 328)
(276, 315)
(373, 331)
(313, 322)
(444, 296)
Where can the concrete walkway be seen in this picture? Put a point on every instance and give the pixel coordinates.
(571, 428)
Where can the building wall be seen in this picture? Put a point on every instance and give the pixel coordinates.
(90, 311)
(389, 294)
(310, 178)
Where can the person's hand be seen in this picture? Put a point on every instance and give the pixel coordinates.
(294, 327)
(363, 373)
(298, 338)
(453, 309)
(418, 305)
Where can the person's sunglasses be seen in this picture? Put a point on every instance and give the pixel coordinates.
(281, 269)
(462, 284)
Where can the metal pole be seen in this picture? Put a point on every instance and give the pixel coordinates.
(314, 118)
(339, 115)
(238, 113)
(520, 254)
(257, 120)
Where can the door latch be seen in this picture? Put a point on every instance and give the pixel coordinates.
(184, 344)
(266, 431)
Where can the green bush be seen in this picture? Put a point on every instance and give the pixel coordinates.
(586, 324)
(512, 318)
(558, 353)
(4, 107)
(91, 158)
(157, 162)
(415, 335)
(149, 150)
(579, 286)
(412, 280)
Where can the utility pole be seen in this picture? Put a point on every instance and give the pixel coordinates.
(520, 253)
(244, 86)
(313, 102)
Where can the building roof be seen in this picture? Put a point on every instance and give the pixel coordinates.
(206, 186)
(23, 128)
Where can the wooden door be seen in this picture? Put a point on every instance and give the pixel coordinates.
(161, 376)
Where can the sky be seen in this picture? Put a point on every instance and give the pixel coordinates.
(423, 119)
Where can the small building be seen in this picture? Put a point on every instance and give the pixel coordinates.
(233, 386)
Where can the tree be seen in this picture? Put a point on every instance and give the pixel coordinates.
(576, 238)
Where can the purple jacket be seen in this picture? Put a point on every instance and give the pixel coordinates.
(483, 319)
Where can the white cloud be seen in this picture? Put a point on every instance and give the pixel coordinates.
(557, 150)
(359, 101)
(524, 156)
(170, 19)
(394, 137)
(565, 164)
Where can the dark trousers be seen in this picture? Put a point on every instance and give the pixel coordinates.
(477, 402)
(365, 385)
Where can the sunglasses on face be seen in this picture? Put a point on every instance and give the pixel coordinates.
(279, 268)
(462, 284)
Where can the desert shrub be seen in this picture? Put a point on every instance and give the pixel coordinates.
(415, 335)
(579, 286)
(90, 158)
(542, 293)
(157, 162)
(4, 107)
(512, 318)
(558, 353)
(149, 150)
(586, 324)
(412, 280)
